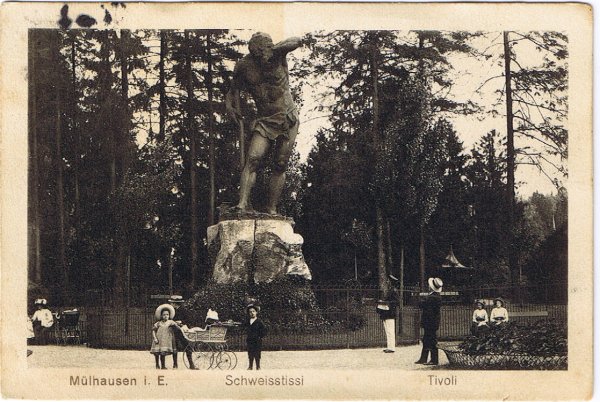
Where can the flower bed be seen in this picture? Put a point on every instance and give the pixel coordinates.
(505, 361)
(541, 346)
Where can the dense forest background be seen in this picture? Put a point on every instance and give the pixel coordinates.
(131, 153)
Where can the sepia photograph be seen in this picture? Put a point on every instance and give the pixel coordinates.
(299, 196)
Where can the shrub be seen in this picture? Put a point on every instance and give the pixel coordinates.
(286, 304)
(541, 338)
(355, 322)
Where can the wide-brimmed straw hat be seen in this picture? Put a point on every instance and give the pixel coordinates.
(435, 284)
(40, 302)
(478, 302)
(501, 300)
(159, 310)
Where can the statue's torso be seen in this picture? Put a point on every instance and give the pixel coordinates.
(268, 85)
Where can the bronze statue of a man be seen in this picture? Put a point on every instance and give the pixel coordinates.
(264, 75)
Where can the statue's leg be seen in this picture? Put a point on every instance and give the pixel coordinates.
(259, 146)
(283, 151)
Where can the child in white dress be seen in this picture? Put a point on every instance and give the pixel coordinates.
(162, 335)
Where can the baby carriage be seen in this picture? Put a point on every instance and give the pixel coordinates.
(68, 327)
(208, 347)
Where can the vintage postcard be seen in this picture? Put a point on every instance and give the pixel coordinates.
(329, 201)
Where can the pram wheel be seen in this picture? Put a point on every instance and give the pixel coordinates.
(234, 360)
(201, 355)
(225, 361)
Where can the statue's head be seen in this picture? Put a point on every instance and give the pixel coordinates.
(261, 46)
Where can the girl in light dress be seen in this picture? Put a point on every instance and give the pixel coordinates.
(162, 335)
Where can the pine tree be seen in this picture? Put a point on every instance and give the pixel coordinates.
(486, 174)
(535, 101)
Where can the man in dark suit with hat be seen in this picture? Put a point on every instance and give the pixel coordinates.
(430, 321)
(180, 342)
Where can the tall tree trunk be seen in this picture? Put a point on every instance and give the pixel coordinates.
(105, 93)
(34, 250)
(388, 239)
(383, 280)
(422, 257)
(401, 275)
(421, 72)
(193, 180)
(510, 164)
(121, 283)
(125, 143)
(162, 108)
(75, 133)
(401, 291)
(211, 133)
(60, 193)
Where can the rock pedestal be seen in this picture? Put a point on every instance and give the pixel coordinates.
(257, 248)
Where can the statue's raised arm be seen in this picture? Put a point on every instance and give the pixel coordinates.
(288, 45)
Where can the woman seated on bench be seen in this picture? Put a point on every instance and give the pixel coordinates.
(499, 313)
(480, 320)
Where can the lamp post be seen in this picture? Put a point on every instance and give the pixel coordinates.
(171, 255)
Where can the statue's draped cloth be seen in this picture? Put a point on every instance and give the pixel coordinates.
(278, 124)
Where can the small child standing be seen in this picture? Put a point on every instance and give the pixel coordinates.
(256, 330)
(162, 334)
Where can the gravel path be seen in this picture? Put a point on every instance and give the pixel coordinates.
(84, 357)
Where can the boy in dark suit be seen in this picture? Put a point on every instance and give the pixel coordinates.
(430, 321)
(256, 331)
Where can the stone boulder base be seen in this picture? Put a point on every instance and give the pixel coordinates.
(259, 250)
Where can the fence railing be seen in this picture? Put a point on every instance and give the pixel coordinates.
(348, 313)
(131, 329)
(455, 321)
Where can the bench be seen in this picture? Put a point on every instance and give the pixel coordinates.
(441, 294)
(527, 314)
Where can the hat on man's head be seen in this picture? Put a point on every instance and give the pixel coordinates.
(159, 310)
(40, 302)
(176, 299)
(435, 284)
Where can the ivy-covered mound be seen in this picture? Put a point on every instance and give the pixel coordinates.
(286, 304)
(539, 339)
(542, 345)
